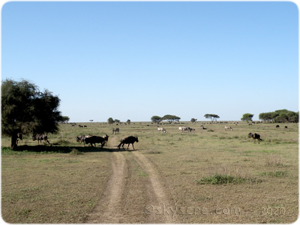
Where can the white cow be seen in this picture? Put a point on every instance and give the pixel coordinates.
(161, 129)
(228, 128)
(184, 128)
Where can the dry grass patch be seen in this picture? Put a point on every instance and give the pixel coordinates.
(52, 188)
(274, 160)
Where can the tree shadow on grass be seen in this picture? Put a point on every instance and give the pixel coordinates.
(64, 149)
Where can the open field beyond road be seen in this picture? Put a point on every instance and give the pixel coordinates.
(204, 176)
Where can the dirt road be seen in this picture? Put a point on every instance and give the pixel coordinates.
(135, 193)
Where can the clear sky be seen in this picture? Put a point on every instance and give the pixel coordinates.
(134, 60)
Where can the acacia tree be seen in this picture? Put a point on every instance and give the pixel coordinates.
(282, 116)
(193, 120)
(170, 118)
(247, 117)
(155, 119)
(110, 120)
(65, 119)
(213, 117)
(27, 110)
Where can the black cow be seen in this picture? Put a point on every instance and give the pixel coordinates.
(255, 136)
(128, 140)
(115, 130)
(277, 126)
(40, 137)
(96, 139)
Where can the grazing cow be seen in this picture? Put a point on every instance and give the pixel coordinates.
(277, 126)
(40, 137)
(128, 140)
(228, 128)
(96, 139)
(284, 127)
(184, 129)
(161, 129)
(255, 136)
(115, 130)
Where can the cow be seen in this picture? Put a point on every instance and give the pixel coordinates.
(284, 127)
(182, 128)
(96, 139)
(115, 130)
(255, 136)
(128, 140)
(185, 128)
(191, 129)
(161, 129)
(277, 126)
(81, 138)
(228, 128)
(40, 137)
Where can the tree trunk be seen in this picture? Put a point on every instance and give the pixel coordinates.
(14, 144)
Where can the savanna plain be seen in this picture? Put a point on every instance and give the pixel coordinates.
(208, 175)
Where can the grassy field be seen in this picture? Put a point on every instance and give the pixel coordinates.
(212, 175)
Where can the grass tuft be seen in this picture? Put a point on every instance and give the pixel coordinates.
(275, 174)
(75, 152)
(221, 179)
(274, 160)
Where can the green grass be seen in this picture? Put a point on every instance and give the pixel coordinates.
(274, 174)
(221, 179)
(233, 170)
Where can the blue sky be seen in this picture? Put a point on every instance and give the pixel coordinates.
(134, 60)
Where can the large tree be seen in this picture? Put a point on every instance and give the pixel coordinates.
(27, 110)
(247, 117)
(110, 120)
(170, 118)
(155, 119)
(280, 116)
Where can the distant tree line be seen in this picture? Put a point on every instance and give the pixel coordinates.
(169, 118)
(110, 120)
(280, 116)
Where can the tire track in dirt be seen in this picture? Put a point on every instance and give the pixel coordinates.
(108, 210)
(161, 198)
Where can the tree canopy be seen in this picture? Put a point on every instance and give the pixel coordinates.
(155, 119)
(247, 117)
(280, 116)
(27, 110)
(110, 120)
(193, 120)
(213, 117)
(170, 118)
